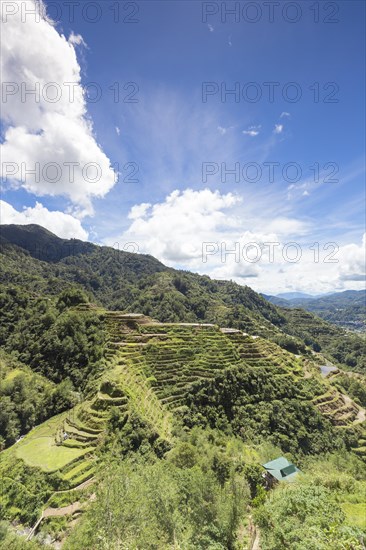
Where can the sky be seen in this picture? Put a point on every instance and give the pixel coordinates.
(224, 138)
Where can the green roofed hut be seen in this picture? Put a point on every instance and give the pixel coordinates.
(279, 469)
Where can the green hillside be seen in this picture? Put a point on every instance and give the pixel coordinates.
(44, 264)
(155, 379)
(346, 309)
(146, 427)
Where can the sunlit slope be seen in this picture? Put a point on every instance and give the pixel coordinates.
(148, 371)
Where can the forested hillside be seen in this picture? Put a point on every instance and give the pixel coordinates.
(346, 309)
(44, 264)
(138, 404)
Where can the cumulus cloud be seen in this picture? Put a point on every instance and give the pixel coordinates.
(352, 262)
(218, 234)
(173, 230)
(207, 231)
(138, 211)
(47, 130)
(63, 225)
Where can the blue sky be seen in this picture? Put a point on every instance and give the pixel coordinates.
(180, 133)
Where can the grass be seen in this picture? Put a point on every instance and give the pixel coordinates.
(43, 453)
(78, 469)
(39, 449)
(355, 514)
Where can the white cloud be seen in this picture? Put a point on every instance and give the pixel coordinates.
(63, 225)
(174, 230)
(284, 114)
(77, 39)
(278, 129)
(210, 27)
(252, 130)
(178, 229)
(118, 131)
(352, 262)
(139, 211)
(222, 130)
(51, 125)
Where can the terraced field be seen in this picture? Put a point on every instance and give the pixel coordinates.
(148, 369)
(344, 414)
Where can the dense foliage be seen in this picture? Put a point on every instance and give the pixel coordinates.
(26, 399)
(195, 497)
(255, 404)
(323, 509)
(49, 336)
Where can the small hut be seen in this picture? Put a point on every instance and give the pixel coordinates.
(279, 469)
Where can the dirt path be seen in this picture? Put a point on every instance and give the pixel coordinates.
(64, 511)
(361, 417)
(256, 543)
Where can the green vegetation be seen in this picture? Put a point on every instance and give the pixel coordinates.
(154, 433)
(346, 309)
(163, 506)
(34, 259)
(27, 398)
(50, 337)
(324, 508)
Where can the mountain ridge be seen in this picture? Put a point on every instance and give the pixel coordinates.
(346, 309)
(121, 280)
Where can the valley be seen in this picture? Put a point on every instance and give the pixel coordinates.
(158, 399)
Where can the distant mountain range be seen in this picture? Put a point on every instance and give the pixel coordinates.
(346, 309)
(294, 295)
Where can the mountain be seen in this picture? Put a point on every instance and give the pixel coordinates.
(294, 295)
(41, 243)
(119, 280)
(346, 309)
(121, 376)
(172, 414)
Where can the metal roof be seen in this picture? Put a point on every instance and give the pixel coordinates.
(281, 469)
